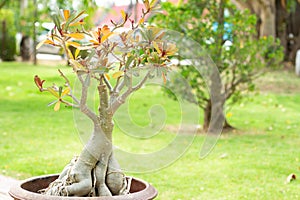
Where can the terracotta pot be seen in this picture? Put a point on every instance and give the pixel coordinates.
(27, 190)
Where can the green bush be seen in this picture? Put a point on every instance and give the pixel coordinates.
(7, 35)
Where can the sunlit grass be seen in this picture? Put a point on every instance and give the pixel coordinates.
(249, 163)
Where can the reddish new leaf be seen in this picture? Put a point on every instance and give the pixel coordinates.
(39, 82)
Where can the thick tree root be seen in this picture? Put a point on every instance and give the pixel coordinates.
(81, 178)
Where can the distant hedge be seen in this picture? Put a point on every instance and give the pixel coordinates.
(7, 35)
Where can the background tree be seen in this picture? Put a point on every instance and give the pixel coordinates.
(278, 18)
(215, 24)
(7, 35)
(24, 20)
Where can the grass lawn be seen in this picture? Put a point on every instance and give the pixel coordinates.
(252, 162)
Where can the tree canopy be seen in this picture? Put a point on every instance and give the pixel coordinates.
(229, 37)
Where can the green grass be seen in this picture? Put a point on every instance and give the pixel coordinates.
(249, 163)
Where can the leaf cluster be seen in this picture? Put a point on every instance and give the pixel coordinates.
(114, 55)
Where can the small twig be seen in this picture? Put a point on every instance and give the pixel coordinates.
(120, 100)
(70, 104)
(117, 84)
(66, 79)
(116, 57)
(69, 85)
(109, 86)
(140, 84)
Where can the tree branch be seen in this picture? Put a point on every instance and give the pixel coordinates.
(121, 99)
(117, 85)
(83, 106)
(103, 97)
(70, 104)
(105, 115)
(110, 88)
(69, 86)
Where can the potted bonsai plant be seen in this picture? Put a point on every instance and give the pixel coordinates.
(113, 57)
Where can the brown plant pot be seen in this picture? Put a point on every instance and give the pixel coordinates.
(27, 190)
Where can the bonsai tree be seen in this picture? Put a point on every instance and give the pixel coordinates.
(113, 58)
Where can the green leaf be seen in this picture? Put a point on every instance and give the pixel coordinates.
(74, 19)
(56, 20)
(129, 61)
(60, 91)
(100, 70)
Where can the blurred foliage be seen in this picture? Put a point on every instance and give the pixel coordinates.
(7, 35)
(89, 6)
(239, 63)
(25, 17)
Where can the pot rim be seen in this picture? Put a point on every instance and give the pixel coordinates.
(17, 192)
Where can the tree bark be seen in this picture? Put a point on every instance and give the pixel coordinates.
(276, 19)
(265, 11)
(25, 49)
(214, 118)
(293, 27)
(281, 26)
(207, 116)
(213, 113)
(267, 16)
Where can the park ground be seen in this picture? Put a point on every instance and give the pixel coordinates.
(251, 162)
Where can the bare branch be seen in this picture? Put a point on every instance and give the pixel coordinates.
(70, 104)
(117, 85)
(120, 100)
(121, 86)
(69, 85)
(233, 86)
(116, 57)
(140, 84)
(103, 96)
(83, 106)
(109, 86)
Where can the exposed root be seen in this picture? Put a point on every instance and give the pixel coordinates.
(80, 179)
(115, 178)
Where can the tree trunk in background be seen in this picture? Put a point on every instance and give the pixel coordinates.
(25, 45)
(23, 6)
(213, 112)
(265, 11)
(281, 26)
(214, 119)
(267, 16)
(25, 48)
(207, 116)
(276, 19)
(293, 28)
